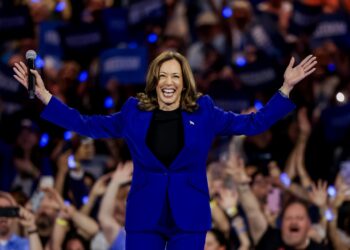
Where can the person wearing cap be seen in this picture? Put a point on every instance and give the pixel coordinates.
(169, 130)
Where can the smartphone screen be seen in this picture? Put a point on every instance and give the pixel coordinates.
(9, 212)
(274, 200)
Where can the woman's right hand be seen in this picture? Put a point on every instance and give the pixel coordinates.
(21, 75)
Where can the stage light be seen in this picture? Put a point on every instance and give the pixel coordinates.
(240, 61)
(39, 62)
(340, 97)
(227, 12)
(152, 38)
(332, 192)
(60, 6)
(109, 102)
(44, 140)
(67, 135)
(83, 76)
(258, 105)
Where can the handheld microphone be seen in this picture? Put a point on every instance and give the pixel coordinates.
(30, 57)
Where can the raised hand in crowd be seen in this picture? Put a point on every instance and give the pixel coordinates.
(318, 194)
(98, 189)
(27, 220)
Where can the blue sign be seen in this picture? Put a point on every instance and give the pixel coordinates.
(115, 24)
(335, 27)
(49, 39)
(125, 65)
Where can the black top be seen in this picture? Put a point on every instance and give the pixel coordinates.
(165, 136)
(272, 240)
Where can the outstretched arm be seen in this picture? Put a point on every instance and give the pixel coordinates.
(95, 126)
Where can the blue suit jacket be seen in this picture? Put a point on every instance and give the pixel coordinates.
(185, 180)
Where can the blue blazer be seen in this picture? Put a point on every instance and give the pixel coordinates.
(185, 179)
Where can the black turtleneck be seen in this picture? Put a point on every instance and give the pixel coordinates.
(165, 136)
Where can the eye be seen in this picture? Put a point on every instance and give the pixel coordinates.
(161, 76)
(176, 76)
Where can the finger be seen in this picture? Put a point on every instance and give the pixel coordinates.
(306, 60)
(24, 83)
(291, 62)
(309, 61)
(309, 72)
(24, 67)
(20, 68)
(308, 67)
(19, 72)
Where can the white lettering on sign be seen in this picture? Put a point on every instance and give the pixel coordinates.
(83, 39)
(332, 28)
(258, 77)
(117, 64)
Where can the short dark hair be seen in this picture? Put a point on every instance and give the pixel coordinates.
(293, 201)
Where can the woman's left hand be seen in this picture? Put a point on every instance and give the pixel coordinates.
(293, 75)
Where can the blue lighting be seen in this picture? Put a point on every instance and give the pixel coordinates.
(83, 76)
(60, 6)
(332, 192)
(109, 102)
(71, 162)
(39, 62)
(284, 178)
(44, 140)
(258, 105)
(226, 12)
(85, 199)
(36, 1)
(241, 61)
(67, 202)
(331, 67)
(67, 135)
(132, 45)
(152, 38)
(329, 215)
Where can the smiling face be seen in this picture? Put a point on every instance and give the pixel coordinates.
(295, 225)
(170, 85)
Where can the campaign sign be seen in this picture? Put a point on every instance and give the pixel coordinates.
(11, 91)
(115, 25)
(125, 65)
(258, 75)
(335, 27)
(15, 23)
(81, 42)
(336, 121)
(304, 18)
(49, 39)
(146, 11)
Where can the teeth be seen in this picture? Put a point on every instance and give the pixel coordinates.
(168, 90)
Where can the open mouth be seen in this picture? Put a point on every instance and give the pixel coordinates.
(168, 92)
(294, 229)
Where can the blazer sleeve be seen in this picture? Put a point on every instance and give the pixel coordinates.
(230, 123)
(94, 126)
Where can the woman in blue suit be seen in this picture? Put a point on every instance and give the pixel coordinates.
(169, 129)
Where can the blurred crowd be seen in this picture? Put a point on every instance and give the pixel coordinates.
(287, 188)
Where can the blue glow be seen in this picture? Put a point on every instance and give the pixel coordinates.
(85, 199)
(284, 178)
(60, 6)
(71, 162)
(331, 67)
(44, 140)
(83, 76)
(332, 192)
(258, 105)
(67, 135)
(109, 102)
(241, 61)
(67, 202)
(36, 1)
(152, 38)
(39, 62)
(227, 12)
(329, 215)
(132, 45)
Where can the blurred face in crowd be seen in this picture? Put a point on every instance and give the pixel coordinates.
(46, 215)
(211, 243)
(74, 244)
(261, 187)
(86, 150)
(5, 223)
(170, 85)
(27, 138)
(295, 225)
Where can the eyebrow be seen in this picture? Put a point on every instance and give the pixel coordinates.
(170, 73)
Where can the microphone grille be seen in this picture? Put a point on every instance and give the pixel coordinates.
(31, 54)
